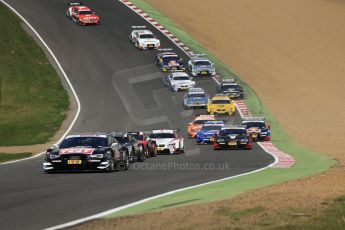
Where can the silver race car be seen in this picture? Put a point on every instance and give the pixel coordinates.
(200, 65)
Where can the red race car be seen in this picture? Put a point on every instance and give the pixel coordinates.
(82, 15)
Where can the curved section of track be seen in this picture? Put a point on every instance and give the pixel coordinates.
(119, 89)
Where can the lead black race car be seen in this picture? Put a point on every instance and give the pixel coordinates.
(86, 152)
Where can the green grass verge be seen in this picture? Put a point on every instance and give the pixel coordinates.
(13, 156)
(33, 102)
(307, 162)
(332, 218)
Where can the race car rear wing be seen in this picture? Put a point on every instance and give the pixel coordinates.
(196, 89)
(117, 134)
(164, 130)
(228, 80)
(234, 127)
(138, 27)
(210, 123)
(165, 49)
(248, 119)
(199, 55)
(75, 3)
(222, 94)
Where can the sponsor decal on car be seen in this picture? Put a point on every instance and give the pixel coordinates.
(86, 151)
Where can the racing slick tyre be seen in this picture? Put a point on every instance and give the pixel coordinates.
(137, 45)
(154, 152)
(124, 164)
(141, 153)
(131, 155)
(147, 153)
(181, 150)
(111, 167)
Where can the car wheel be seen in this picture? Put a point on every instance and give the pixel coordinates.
(111, 167)
(154, 152)
(137, 45)
(124, 164)
(131, 155)
(182, 150)
(147, 152)
(141, 153)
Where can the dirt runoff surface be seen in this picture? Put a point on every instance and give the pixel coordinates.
(292, 54)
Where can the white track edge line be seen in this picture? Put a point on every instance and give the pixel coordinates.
(114, 210)
(63, 73)
(110, 211)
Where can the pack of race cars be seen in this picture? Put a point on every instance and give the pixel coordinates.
(116, 150)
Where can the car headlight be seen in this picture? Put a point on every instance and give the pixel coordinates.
(54, 156)
(244, 140)
(97, 155)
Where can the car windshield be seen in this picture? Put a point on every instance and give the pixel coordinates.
(227, 87)
(162, 135)
(167, 59)
(253, 124)
(85, 12)
(122, 139)
(221, 101)
(211, 127)
(91, 142)
(181, 78)
(137, 136)
(226, 132)
(200, 122)
(202, 63)
(146, 36)
(196, 95)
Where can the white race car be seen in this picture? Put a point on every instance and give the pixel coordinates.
(144, 39)
(178, 81)
(167, 140)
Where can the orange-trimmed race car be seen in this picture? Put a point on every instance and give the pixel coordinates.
(82, 15)
(195, 126)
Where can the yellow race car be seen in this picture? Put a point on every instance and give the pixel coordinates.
(221, 104)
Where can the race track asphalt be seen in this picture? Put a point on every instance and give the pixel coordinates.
(120, 89)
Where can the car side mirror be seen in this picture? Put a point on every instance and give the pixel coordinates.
(52, 147)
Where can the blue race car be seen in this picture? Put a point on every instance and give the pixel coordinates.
(208, 132)
(195, 98)
(169, 61)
